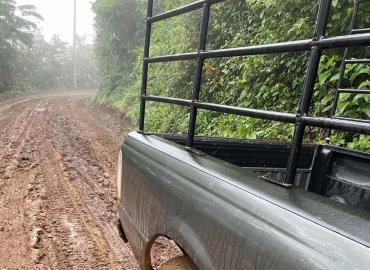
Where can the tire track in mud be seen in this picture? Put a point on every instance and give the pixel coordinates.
(16, 162)
(94, 240)
(90, 192)
(13, 138)
(102, 141)
(89, 180)
(59, 200)
(58, 204)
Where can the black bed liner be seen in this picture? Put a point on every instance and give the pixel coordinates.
(333, 172)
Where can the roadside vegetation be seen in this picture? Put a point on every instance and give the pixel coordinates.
(29, 62)
(272, 82)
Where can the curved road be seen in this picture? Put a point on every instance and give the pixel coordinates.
(57, 185)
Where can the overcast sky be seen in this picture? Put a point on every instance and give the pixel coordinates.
(58, 18)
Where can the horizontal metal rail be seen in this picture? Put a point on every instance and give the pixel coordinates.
(182, 10)
(361, 31)
(260, 114)
(352, 119)
(357, 61)
(168, 100)
(283, 47)
(354, 91)
(343, 124)
(172, 57)
(338, 124)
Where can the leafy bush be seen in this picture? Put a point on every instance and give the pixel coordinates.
(272, 82)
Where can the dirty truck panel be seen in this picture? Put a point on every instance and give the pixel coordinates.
(249, 204)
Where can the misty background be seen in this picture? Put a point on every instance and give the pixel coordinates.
(58, 18)
(36, 38)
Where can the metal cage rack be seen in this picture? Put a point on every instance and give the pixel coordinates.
(302, 120)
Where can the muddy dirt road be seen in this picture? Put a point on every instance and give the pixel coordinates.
(57, 185)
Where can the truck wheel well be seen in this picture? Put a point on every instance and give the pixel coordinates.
(163, 249)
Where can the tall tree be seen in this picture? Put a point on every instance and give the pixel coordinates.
(16, 29)
(118, 33)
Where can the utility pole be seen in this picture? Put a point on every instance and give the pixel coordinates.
(74, 45)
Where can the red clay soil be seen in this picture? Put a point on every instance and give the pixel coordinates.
(58, 159)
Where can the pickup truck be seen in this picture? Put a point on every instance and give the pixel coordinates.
(233, 204)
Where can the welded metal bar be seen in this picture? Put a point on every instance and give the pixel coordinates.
(338, 123)
(182, 10)
(357, 61)
(343, 41)
(304, 107)
(343, 65)
(260, 114)
(144, 83)
(283, 47)
(172, 58)
(351, 119)
(291, 46)
(199, 73)
(354, 91)
(169, 100)
(360, 31)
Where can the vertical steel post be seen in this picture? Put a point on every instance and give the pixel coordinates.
(304, 107)
(148, 33)
(344, 64)
(199, 73)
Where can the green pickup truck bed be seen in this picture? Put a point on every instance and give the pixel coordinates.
(231, 216)
(240, 204)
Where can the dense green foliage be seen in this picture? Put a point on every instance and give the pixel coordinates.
(119, 33)
(28, 62)
(272, 82)
(15, 30)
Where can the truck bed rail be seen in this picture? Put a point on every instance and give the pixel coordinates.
(301, 119)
